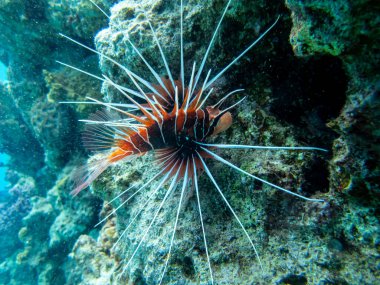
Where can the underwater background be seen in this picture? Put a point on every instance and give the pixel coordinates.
(3, 156)
(312, 81)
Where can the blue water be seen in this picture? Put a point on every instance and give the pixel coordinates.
(3, 157)
(3, 72)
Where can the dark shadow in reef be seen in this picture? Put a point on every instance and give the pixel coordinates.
(308, 93)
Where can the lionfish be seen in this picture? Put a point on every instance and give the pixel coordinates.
(173, 120)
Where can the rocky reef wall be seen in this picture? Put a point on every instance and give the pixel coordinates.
(312, 81)
(40, 220)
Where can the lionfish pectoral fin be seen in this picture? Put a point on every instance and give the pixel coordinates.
(99, 134)
(223, 124)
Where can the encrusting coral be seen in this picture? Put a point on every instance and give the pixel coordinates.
(321, 89)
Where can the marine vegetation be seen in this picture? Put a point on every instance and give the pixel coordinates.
(174, 119)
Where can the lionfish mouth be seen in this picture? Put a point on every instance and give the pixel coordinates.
(169, 118)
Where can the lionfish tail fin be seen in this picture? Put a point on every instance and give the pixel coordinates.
(84, 176)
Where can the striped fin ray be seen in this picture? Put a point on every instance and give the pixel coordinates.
(85, 175)
(98, 136)
(104, 129)
(142, 120)
(104, 132)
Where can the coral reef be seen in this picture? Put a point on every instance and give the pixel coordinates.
(91, 261)
(50, 227)
(328, 77)
(347, 30)
(41, 137)
(15, 133)
(12, 212)
(312, 81)
(78, 19)
(317, 27)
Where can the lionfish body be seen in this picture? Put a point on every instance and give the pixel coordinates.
(171, 129)
(171, 119)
